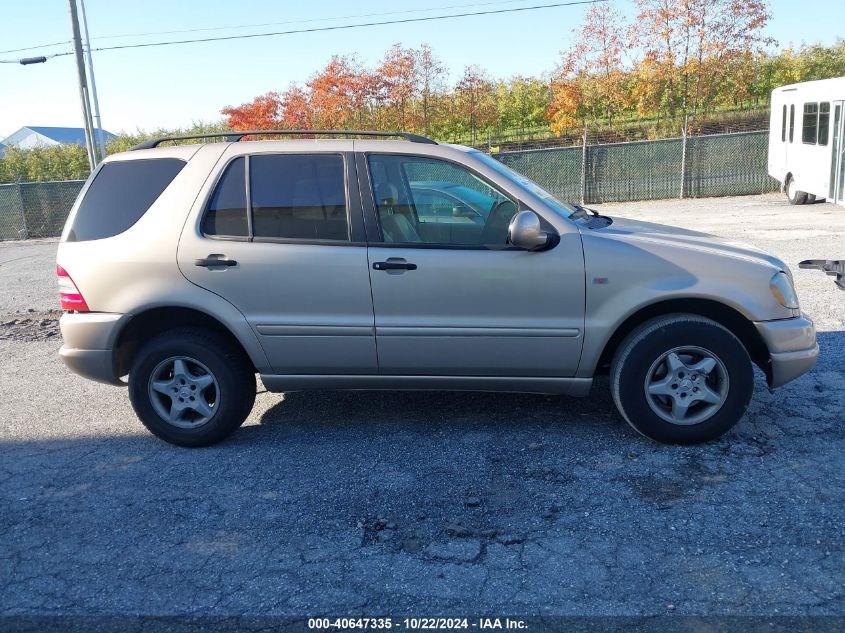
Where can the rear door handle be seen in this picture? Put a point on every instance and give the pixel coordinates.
(394, 265)
(215, 260)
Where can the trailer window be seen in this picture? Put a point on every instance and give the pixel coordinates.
(824, 122)
(791, 123)
(810, 127)
(783, 125)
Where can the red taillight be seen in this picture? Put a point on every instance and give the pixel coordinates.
(69, 295)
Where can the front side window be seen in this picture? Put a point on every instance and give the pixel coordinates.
(298, 196)
(810, 126)
(428, 201)
(824, 122)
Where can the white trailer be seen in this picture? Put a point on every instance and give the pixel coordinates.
(807, 140)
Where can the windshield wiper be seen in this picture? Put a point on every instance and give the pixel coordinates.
(582, 212)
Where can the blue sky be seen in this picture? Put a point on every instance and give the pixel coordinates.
(172, 86)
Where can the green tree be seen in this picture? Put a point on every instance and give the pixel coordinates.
(522, 103)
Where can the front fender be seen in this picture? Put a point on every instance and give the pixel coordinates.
(625, 277)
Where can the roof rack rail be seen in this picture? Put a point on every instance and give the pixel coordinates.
(235, 136)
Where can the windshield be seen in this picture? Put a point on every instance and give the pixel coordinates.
(564, 209)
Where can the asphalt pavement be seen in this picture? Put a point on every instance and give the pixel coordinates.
(426, 503)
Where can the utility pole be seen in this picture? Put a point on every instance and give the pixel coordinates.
(83, 86)
(98, 123)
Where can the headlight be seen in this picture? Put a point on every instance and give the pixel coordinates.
(782, 289)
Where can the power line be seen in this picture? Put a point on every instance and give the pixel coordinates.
(248, 26)
(303, 21)
(32, 48)
(346, 26)
(338, 27)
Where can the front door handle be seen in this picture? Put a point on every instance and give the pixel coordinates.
(394, 265)
(215, 260)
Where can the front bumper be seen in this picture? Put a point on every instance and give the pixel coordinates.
(792, 348)
(89, 341)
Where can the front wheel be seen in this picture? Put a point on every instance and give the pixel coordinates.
(682, 379)
(191, 387)
(793, 194)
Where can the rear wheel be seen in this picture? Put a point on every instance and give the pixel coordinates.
(793, 194)
(191, 387)
(682, 379)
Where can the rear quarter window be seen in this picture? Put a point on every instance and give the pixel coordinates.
(120, 195)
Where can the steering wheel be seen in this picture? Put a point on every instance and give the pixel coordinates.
(495, 229)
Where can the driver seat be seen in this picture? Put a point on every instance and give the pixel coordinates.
(396, 226)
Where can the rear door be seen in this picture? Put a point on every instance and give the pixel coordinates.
(280, 235)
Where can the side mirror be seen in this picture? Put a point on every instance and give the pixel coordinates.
(525, 231)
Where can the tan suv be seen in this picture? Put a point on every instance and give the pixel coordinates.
(402, 264)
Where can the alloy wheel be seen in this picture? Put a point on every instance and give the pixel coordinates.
(687, 385)
(184, 392)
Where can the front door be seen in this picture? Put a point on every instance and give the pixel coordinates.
(450, 296)
(284, 251)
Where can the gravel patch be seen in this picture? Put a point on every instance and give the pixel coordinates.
(30, 326)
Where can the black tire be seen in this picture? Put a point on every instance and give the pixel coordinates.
(634, 364)
(795, 196)
(232, 392)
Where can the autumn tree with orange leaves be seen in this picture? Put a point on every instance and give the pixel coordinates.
(262, 113)
(590, 80)
(431, 77)
(338, 93)
(474, 100)
(693, 46)
(398, 76)
(297, 112)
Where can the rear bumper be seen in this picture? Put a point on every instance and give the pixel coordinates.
(792, 348)
(94, 364)
(89, 340)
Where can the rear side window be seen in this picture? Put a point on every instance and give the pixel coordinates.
(120, 195)
(227, 210)
(298, 196)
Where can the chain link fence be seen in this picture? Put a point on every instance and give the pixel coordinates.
(36, 209)
(731, 164)
(701, 166)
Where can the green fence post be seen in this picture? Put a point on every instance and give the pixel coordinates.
(584, 166)
(683, 158)
(24, 233)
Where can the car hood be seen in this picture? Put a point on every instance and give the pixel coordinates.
(637, 232)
